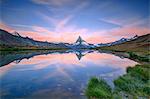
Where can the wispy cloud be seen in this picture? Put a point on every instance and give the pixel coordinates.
(65, 20)
(111, 22)
(62, 27)
(21, 25)
(128, 27)
(44, 34)
(124, 21)
(52, 2)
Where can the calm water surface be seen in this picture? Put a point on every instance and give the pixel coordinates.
(57, 75)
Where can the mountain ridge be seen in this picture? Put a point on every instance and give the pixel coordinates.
(16, 40)
(140, 45)
(9, 40)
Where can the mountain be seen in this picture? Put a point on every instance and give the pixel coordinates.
(140, 44)
(9, 40)
(81, 44)
(15, 40)
(122, 40)
(82, 52)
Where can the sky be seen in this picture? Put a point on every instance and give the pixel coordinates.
(96, 21)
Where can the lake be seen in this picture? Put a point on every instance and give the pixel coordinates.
(56, 74)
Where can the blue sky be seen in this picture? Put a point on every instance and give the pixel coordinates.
(64, 20)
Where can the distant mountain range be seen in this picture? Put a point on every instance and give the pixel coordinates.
(10, 40)
(122, 40)
(16, 40)
(140, 45)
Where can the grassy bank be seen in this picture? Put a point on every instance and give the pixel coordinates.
(133, 55)
(98, 88)
(134, 84)
(117, 48)
(137, 55)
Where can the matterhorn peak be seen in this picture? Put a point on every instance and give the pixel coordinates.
(80, 40)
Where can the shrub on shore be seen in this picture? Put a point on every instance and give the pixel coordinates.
(136, 83)
(98, 89)
(140, 58)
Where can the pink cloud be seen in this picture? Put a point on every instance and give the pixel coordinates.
(42, 30)
(37, 36)
(6, 27)
(43, 34)
(65, 32)
(100, 39)
(130, 31)
(129, 28)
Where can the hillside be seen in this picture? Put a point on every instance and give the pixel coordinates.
(7, 40)
(140, 45)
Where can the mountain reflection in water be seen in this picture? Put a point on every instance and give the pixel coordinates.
(8, 57)
(56, 74)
